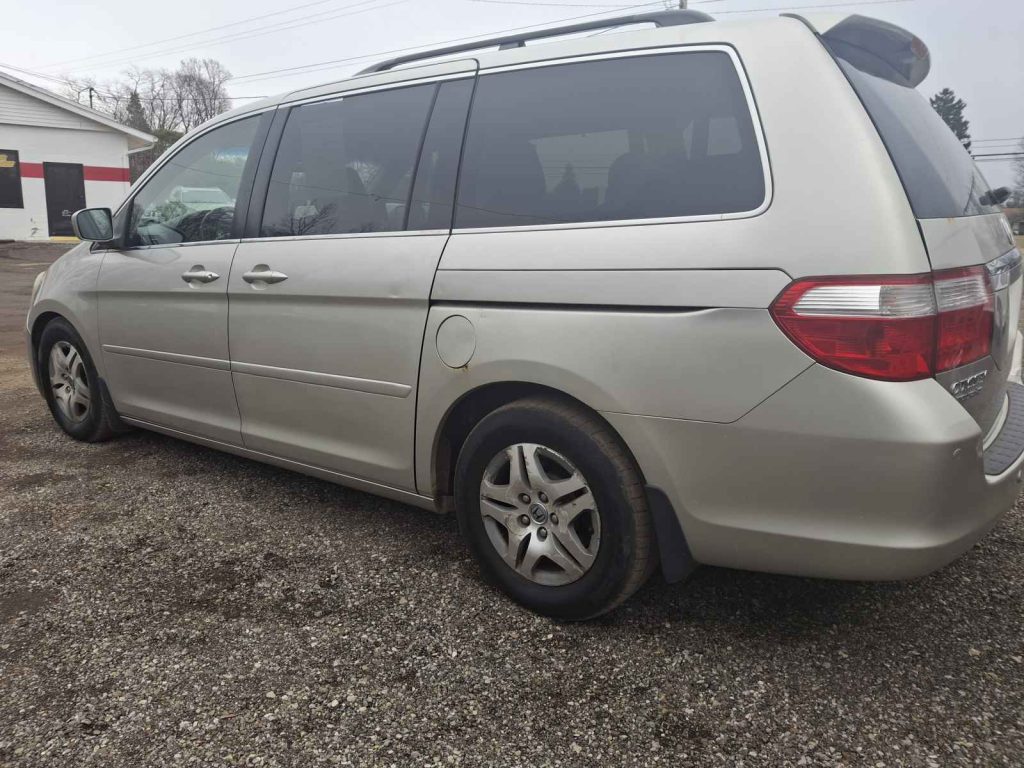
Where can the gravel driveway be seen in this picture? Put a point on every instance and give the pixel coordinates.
(162, 604)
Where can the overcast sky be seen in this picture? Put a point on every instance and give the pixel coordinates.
(977, 45)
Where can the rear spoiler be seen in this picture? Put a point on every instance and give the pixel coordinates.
(873, 46)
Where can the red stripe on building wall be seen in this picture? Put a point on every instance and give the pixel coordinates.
(106, 173)
(89, 172)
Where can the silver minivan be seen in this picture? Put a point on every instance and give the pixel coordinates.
(692, 292)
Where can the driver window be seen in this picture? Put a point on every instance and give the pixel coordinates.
(192, 197)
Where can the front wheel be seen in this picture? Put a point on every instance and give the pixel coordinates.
(553, 508)
(73, 389)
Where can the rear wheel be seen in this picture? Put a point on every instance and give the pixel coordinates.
(554, 509)
(73, 389)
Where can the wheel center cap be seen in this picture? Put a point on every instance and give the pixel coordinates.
(539, 513)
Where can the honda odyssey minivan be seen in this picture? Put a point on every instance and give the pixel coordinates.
(692, 292)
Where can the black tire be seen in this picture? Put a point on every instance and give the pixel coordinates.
(100, 421)
(626, 555)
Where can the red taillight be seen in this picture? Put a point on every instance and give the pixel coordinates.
(966, 305)
(895, 328)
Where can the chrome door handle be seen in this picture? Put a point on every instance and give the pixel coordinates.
(261, 273)
(199, 274)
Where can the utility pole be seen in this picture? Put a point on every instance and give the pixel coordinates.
(91, 91)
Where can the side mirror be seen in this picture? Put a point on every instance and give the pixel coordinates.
(95, 224)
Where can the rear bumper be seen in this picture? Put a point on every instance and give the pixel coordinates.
(833, 476)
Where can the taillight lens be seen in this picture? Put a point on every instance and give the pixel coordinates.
(894, 328)
(965, 319)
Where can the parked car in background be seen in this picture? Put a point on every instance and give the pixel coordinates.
(712, 292)
(201, 198)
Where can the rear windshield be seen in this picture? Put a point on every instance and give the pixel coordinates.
(939, 175)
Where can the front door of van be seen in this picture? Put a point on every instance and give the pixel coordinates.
(329, 297)
(163, 306)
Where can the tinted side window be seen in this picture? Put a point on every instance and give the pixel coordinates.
(192, 197)
(433, 193)
(635, 138)
(347, 165)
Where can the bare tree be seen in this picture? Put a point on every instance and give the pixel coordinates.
(165, 103)
(198, 90)
(176, 100)
(155, 88)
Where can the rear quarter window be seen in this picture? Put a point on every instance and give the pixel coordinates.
(939, 175)
(657, 136)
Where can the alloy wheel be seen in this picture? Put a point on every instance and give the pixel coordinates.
(540, 514)
(69, 382)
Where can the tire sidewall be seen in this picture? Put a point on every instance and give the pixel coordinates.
(603, 582)
(56, 331)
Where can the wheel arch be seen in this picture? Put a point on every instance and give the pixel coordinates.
(39, 323)
(466, 412)
(45, 313)
(42, 320)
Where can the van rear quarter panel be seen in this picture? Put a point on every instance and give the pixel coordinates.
(670, 319)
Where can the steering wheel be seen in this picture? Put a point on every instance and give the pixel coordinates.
(221, 216)
(202, 225)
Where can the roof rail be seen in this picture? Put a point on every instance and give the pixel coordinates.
(658, 18)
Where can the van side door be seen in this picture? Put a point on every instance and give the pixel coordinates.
(330, 289)
(163, 303)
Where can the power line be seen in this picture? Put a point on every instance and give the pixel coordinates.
(22, 70)
(278, 26)
(995, 145)
(333, 63)
(199, 32)
(249, 34)
(108, 94)
(152, 99)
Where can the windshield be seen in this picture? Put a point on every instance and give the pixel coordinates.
(939, 175)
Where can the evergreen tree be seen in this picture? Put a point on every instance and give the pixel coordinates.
(951, 110)
(135, 116)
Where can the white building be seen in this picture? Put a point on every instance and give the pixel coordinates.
(57, 156)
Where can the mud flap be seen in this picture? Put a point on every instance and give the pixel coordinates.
(676, 561)
(114, 419)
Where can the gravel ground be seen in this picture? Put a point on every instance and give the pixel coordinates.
(163, 604)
